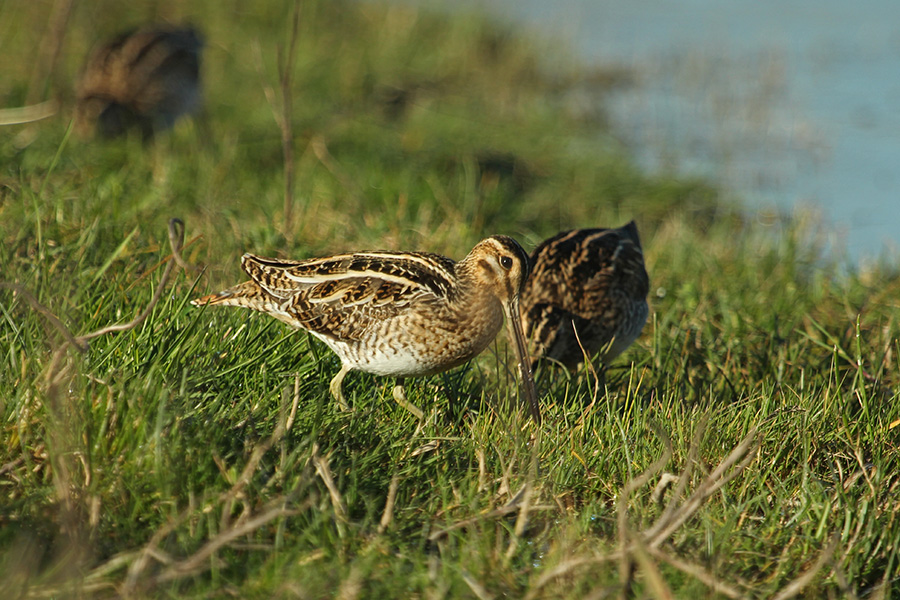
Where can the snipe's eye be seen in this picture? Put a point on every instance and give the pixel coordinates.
(506, 262)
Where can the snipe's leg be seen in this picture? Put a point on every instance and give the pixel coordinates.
(335, 387)
(400, 397)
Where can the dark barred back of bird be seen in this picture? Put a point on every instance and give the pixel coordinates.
(587, 294)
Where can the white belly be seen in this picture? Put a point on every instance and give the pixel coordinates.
(418, 350)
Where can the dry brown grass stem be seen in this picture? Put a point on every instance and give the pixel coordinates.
(512, 506)
(479, 590)
(229, 498)
(323, 470)
(626, 565)
(737, 460)
(697, 572)
(591, 373)
(525, 504)
(65, 447)
(655, 580)
(246, 523)
(21, 115)
(283, 115)
(644, 548)
(352, 585)
(295, 401)
(639, 550)
(49, 50)
(11, 465)
(176, 240)
(796, 586)
(388, 515)
(28, 297)
(286, 69)
(199, 561)
(521, 519)
(320, 149)
(139, 561)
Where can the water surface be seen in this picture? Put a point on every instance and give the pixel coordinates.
(786, 102)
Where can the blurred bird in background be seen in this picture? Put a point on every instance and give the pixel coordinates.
(143, 79)
(587, 295)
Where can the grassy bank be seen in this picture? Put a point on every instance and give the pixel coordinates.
(199, 453)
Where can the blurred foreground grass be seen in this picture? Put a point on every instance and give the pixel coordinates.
(200, 454)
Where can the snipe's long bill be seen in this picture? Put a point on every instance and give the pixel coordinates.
(400, 314)
(587, 295)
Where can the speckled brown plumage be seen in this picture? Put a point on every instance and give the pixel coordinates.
(588, 286)
(400, 314)
(143, 79)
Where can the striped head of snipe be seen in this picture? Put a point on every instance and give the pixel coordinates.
(499, 266)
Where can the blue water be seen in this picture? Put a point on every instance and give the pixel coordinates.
(787, 103)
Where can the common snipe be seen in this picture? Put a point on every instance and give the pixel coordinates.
(143, 79)
(588, 289)
(401, 314)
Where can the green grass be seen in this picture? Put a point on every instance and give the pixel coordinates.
(199, 454)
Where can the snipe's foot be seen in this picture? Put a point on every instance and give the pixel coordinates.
(400, 397)
(335, 387)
